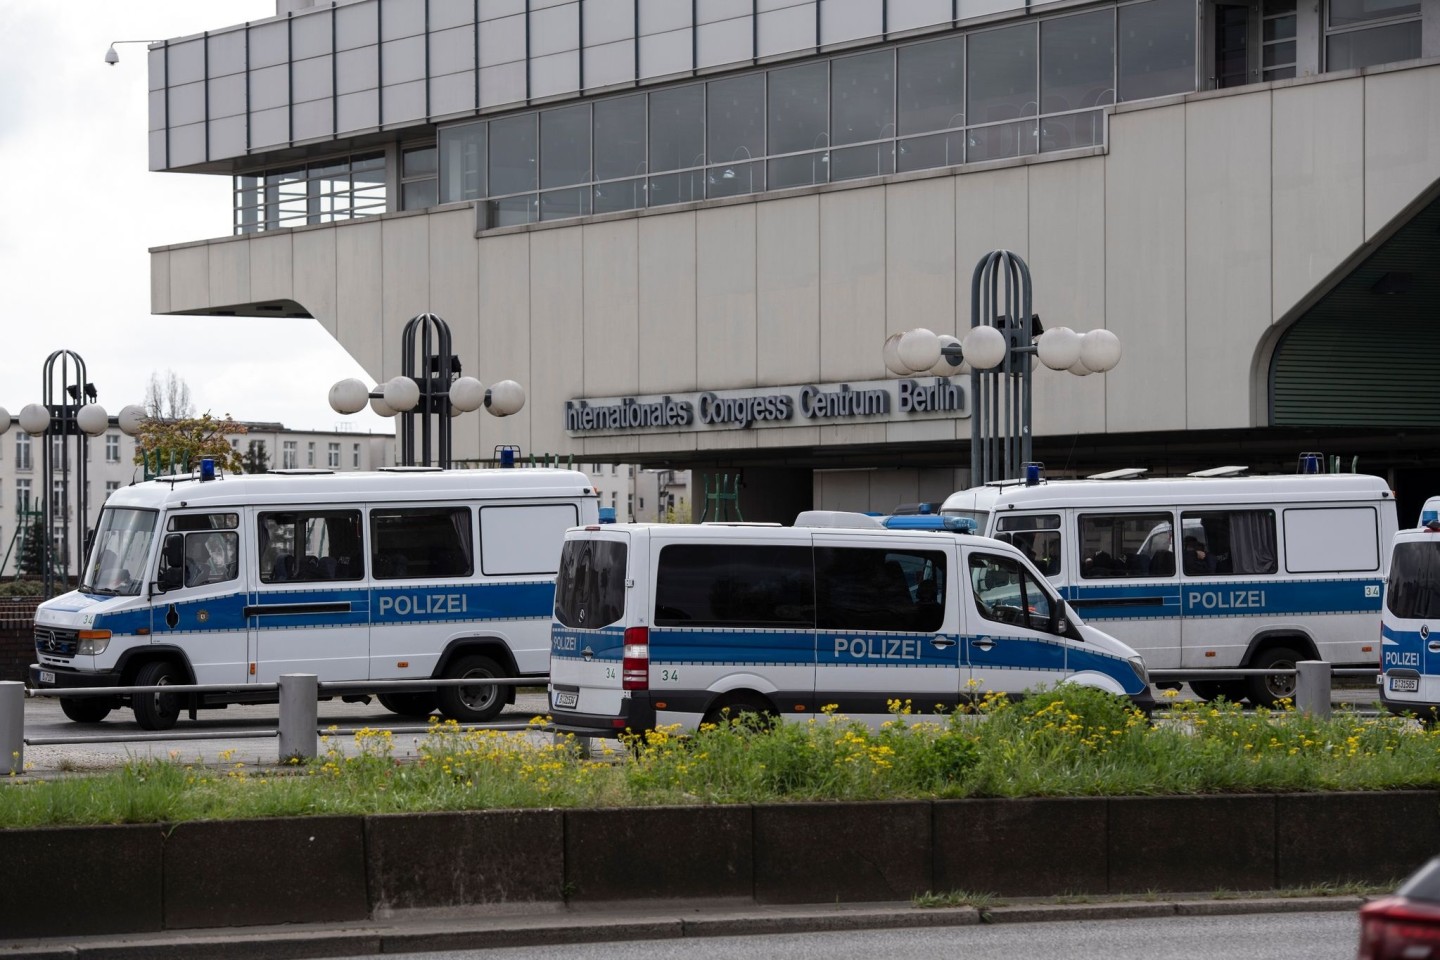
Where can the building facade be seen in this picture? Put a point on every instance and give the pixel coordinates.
(688, 228)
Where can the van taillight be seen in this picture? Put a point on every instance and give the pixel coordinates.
(635, 668)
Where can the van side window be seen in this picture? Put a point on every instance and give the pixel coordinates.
(1037, 536)
(1127, 545)
(420, 542)
(1228, 542)
(701, 584)
(310, 546)
(878, 589)
(521, 539)
(1007, 593)
(590, 586)
(1331, 540)
(211, 551)
(1413, 592)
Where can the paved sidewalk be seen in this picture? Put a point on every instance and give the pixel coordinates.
(537, 924)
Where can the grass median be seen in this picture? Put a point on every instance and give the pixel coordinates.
(1069, 741)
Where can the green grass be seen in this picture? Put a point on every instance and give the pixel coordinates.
(1066, 742)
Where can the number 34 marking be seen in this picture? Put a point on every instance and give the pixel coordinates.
(670, 675)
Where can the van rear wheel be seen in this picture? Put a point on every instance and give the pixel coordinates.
(416, 705)
(1268, 689)
(480, 703)
(1207, 690)
(752, 712)
(157, 711)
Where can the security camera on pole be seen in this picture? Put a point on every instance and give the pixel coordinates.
(438, 391)
(996, 353)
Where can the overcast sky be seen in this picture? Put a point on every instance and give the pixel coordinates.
(79, 209)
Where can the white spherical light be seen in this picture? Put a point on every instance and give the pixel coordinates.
(1079, 369)
(506, 397)
(349, 396)
(891, 353)
(34, 418)
(919, 349)
(984, 347)
(131, 417)
(4, 419)
(401, 394)
(92, 419)
(381, 408)
(1100, 350)
(949, 366)
(466, 394)
(1058, 348)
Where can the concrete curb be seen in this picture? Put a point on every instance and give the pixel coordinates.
(598, 923)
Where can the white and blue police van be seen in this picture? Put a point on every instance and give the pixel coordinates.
(399, 574)
(659, 624)
(1409, 677)
(1266, 570)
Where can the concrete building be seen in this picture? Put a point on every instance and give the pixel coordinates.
(687, 228)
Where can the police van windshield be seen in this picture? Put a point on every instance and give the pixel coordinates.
(1413, 592)
(590, 586)
(117, 558)
(979, 516)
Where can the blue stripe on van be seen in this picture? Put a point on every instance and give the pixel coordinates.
(1225, 598)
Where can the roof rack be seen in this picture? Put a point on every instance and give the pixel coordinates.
(1231, 471)
(300, 471)
(405, 469)
(1124, 473)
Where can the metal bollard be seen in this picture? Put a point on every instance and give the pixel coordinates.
(12, 727)
(299, 699)
(1312, 688)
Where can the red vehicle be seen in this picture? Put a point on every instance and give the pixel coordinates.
(1406, 925)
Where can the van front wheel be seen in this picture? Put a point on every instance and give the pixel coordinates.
(415, 705)
(479, 703)
(1266, 690)
(86, 709)
(157, 711)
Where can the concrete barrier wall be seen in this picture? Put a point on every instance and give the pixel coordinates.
(17, 637)
(145, 878)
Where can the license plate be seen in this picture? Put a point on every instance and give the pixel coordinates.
(47, 676)
(566, 701)
(1405, 684)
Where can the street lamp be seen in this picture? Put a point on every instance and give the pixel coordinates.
(996, 353)
(438, 391)
(70, 412)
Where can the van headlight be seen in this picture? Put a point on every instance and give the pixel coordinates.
(92, 642)
(1138, 665)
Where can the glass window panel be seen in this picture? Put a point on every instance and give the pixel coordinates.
(925, 153)
(677, 188)
(1077, 62)
(677, 128)
(1278, 53)
(1072, 130)
(462, 163)
(1000, 75)
(735, 109)
(560, 204)
(709, 585)
(877, 589)
(862, 98)
(798, 171)
(930, 85)
(1275, 7)
(872, 160)
(512, 154)
(1127, 545)
(565, 146)
(419, 162)
(1157, 49)
(419, 194)
(798, 108)
(619, 137)
(619, 195)
(1345, 12)
(512, 211)
(1363, 48)
(735, 179)
(1001, 140)
(1280, 73)
(1280, 28)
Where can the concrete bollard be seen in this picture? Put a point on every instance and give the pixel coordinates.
(12, 727)
(299, 700)
(1312, 688)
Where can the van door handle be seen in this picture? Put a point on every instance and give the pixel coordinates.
(942, 642)
(1433, 646)
(983, 643)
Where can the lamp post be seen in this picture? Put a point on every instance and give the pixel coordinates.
(72, 411)
(1004, 333)
(429, 386)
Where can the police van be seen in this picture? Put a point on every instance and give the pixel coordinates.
(407, 573)
(1410, 624)
(1266, 570)
(683, 624)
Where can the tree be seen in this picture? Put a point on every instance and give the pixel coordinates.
(256, 459)
(31, 560)
(167, 446)
(168, 398)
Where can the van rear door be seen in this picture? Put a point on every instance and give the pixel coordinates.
(587, 638)
(1410, 627)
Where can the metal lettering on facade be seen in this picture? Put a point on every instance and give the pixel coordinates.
(876, 401)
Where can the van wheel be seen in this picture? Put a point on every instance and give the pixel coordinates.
(417, 705)
(157, 711)
(753, 712)
(1207, 690)
(86, 710)
(1265, 690)
(472, 704)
